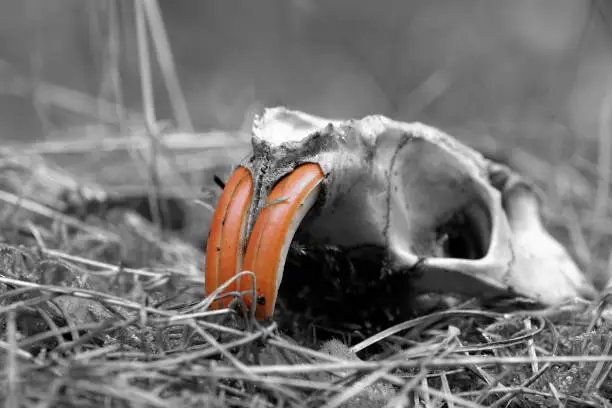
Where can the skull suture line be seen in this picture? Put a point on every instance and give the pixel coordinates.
(449, 219)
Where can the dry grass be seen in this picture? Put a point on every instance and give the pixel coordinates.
(107, 309)
(80, 331)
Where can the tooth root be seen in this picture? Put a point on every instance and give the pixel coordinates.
(227, 237)
(287, 205)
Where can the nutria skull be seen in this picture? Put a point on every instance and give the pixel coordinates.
(449, 219)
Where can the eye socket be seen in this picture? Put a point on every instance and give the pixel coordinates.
(466, 234)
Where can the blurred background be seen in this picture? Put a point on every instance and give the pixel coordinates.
(529, 79)
(523, 68)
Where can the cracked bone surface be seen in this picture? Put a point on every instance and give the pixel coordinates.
(449, 219)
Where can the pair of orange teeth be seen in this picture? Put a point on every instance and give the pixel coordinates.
(230, 251)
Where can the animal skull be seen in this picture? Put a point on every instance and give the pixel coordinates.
(449, 219)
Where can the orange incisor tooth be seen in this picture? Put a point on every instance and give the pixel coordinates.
(286, 206)
(227, 237)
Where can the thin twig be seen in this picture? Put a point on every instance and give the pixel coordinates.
(12, 370)
(148, 104)
(165, 59)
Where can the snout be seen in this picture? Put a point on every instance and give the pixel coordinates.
(232, 248)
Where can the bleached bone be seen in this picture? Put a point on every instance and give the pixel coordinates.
(450, 219)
